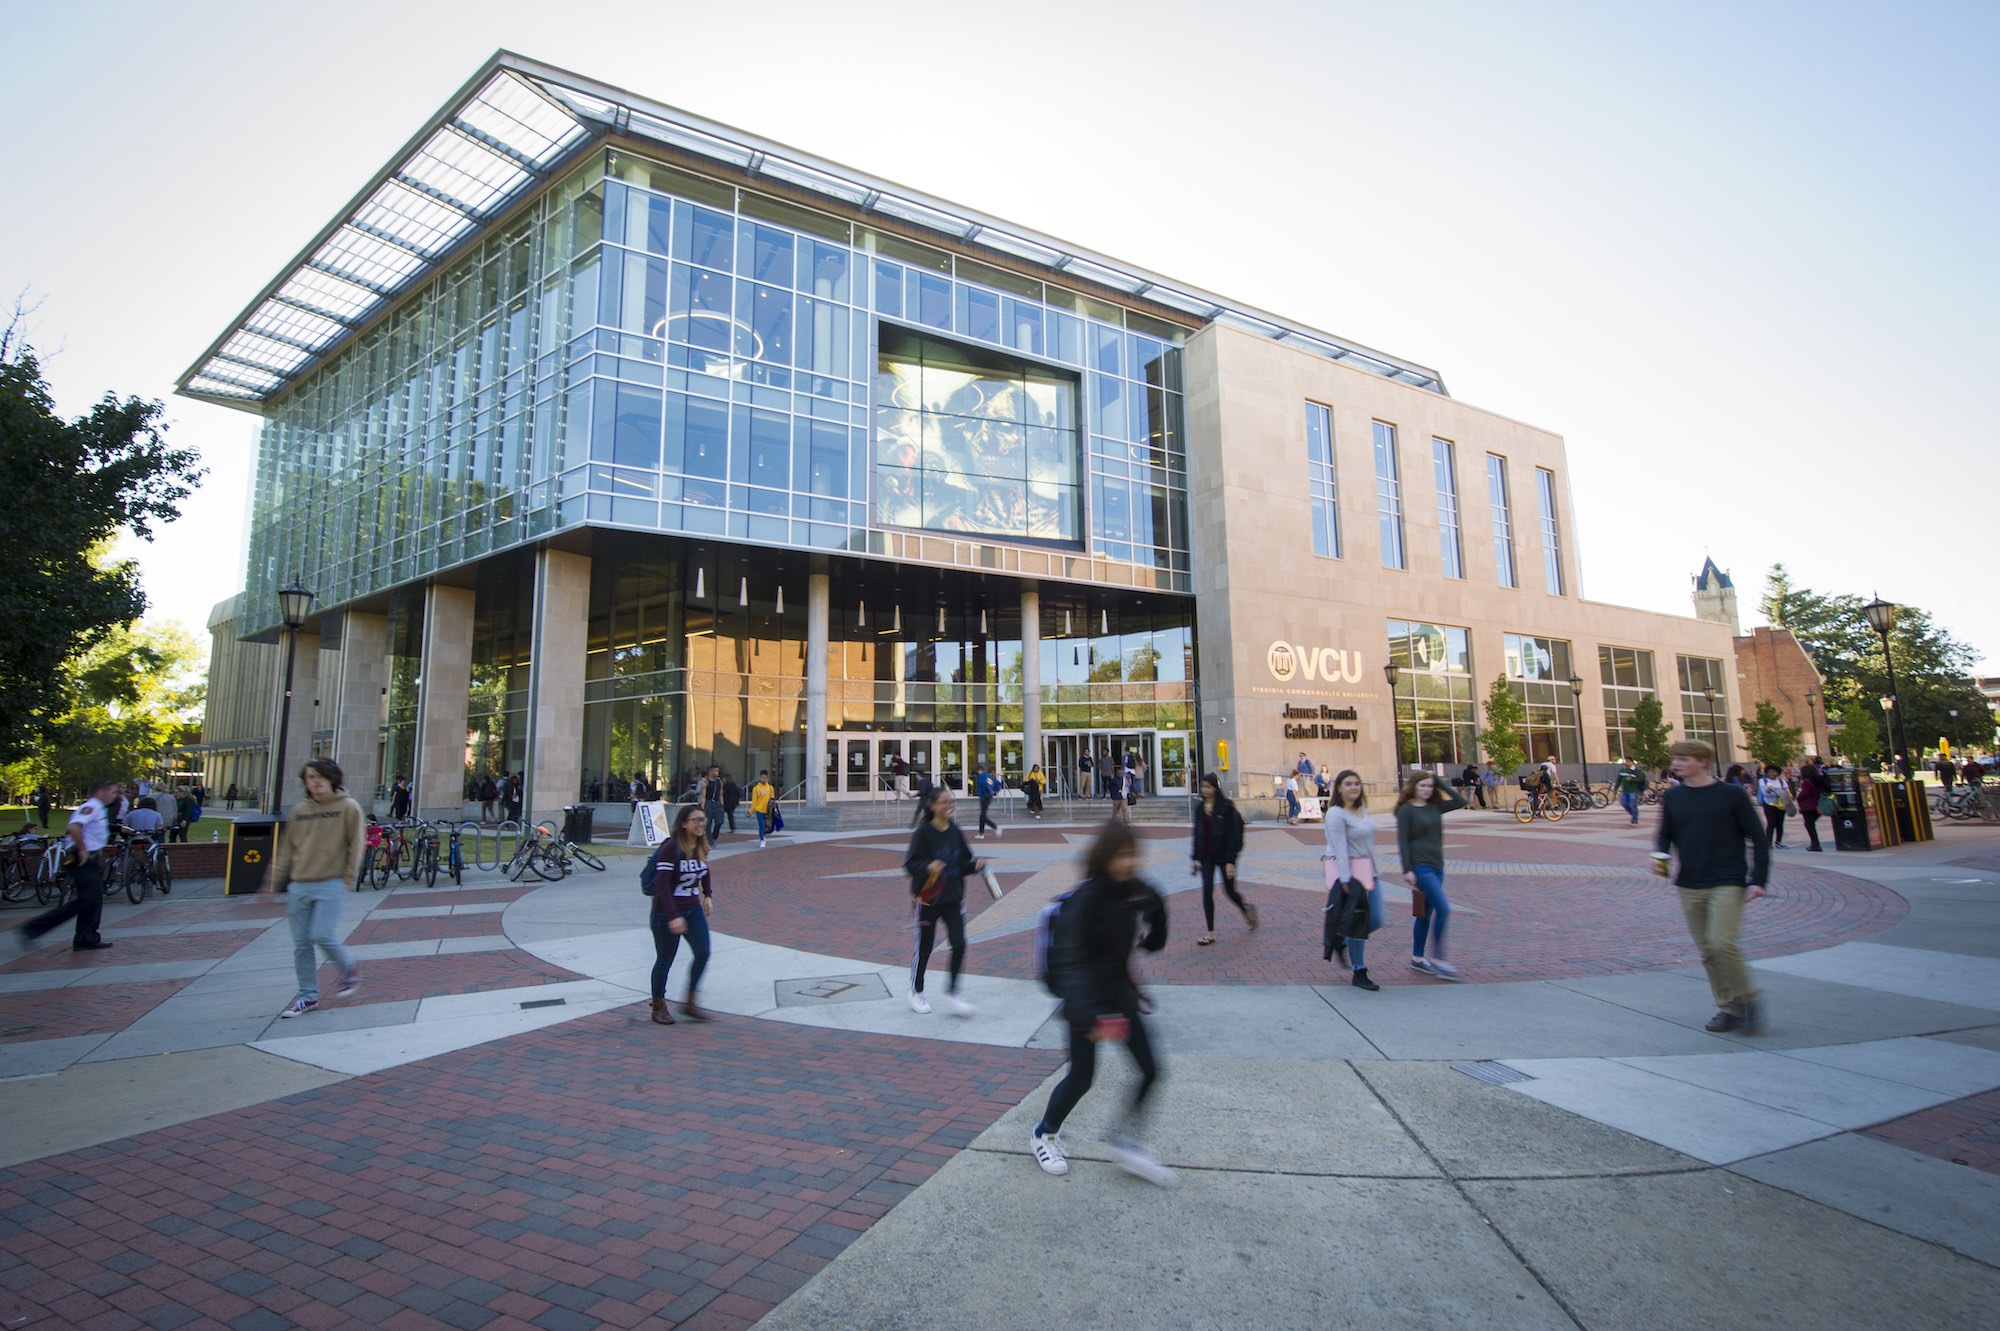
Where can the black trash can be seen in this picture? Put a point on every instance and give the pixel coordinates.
(253, 844)
(579, 821)
(1843, 803)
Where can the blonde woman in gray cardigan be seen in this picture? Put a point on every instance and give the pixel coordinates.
(1350, 854)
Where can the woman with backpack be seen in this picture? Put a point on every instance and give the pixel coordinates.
(1349, 862)
(939, 862)
(1218, 843)
(1090, 969)
(683, 898)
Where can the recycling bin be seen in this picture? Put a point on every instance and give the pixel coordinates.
(253, 844)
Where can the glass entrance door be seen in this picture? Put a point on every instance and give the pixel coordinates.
(1174, 777)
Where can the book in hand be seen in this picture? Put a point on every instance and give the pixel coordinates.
(933, 888)
(992, 882)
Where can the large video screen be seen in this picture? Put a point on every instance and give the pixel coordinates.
(970, 440)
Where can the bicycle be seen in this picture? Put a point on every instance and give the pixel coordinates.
(142, 865)
(424, 855)
(52, 882)
(570, 850)
(528, 857)
(1551, 807)
(20, 854)
(384, 856)
(454, 860)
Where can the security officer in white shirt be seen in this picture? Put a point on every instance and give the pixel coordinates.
(89, 829)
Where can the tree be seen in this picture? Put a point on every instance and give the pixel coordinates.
(1932, 668)
(1502, 741)
(1649, 731)
(1768, 738)
(74, 485)
(1858, 737)
(132, 695)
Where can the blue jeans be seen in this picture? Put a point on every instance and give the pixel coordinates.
(1364, 871)
(1431, 883)
(314, 911)
(667, 943)
(763, 826)
(1630, 800)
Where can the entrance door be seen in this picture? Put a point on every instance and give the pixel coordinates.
(1173, 775)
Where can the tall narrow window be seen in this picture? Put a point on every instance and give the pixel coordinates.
(1444, 462)
(1320, 479)
(1552, 555)
(1503, 520)
(1389, 497)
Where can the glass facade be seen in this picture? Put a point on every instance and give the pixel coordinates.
(1321, 481)
(1389, 496)
(1540, 671)
(1552, 564)
(1433, 696)
(1502, 511)
(646, 348)
(1626, 676)
(1700, 718)
(1444, 467)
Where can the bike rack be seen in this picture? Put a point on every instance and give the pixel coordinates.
(501, 852)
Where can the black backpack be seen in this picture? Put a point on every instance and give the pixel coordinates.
(1058, 941)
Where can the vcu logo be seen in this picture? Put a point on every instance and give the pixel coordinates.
(1329, 664)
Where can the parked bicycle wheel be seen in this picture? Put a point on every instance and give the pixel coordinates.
(526, 861)
(163, 871)
(138, 882)
(455, 860)
(376, 871)
(579, 853)
(553, 864)
(426, 871)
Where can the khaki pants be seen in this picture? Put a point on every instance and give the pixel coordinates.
(1715, 918)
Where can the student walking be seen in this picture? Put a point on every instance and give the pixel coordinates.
(1349, 862)
(1705, 823)
(1101, 1001)
(986, 786)
(1218, 843)
(939, 862)
(683, 895)
(1420, 810)
(1032, 786)
(1775, 797)
(319, 858)
(1814, 799)
(1630, 783)
(763, 803)
(1120, 780)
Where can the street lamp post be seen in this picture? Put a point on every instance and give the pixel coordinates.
(1812, 718)
(294, 604)
(1889, 722)
(1391, 672)
(1714, 736)
(1954, 729)
(1576, 702)
(1881, 616)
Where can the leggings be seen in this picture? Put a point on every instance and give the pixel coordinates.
(985, 815)
(1083, 1070)
(1431, 883)
(1209, 873)
(1811, 821)
(927, 918)
(666, 943)
(1774, 824)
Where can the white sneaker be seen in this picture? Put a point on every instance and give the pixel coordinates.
(957, 1006)
(1048, 1152)
(760, 844)
(1139, 1162)
(299, 1007)
(918, 1003)
(1444, 970)
(998, 833)
(1423, 965)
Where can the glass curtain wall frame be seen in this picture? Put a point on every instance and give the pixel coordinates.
(1700, 718)
(1389, 496)
(1444, 473)
(1626, 676)
(1545, 494)
(1322, 481)
(1539, 672)
(1500, 512)
(1433, 696)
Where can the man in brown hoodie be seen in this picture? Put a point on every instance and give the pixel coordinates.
(319, 857)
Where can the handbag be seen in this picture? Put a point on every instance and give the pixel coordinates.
(777, 819)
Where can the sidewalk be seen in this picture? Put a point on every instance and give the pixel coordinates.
(1556, 1143)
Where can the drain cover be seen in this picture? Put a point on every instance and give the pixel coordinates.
(1493, 1074)
(544, 1002)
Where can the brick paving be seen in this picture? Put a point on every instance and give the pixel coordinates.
(1965, 1132)
(93, 1009)
(1509, 924)
(604, 1173)
(398, 979)
(422, 927)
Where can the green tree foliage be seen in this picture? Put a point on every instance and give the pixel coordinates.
(1932, 668)
(1768, 738)
(131, 695)
(1649, 730)
(1503, 742)
(72, 486)
(1859, 736)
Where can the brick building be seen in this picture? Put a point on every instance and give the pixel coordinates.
(1770, 665)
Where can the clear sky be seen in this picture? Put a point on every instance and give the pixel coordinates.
(1741, 255)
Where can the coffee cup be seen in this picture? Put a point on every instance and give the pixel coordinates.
(1660, 862)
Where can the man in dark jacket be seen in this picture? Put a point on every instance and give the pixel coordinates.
(1090, 970)
(1705, 822)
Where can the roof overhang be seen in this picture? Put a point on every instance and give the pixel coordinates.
(517, 123)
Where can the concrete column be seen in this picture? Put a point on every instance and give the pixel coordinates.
(555, 684)
(445, 669)
(356, 699)
(1031, 680)
(819, 588)
(299, 731)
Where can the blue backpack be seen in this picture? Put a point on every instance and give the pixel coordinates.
(1058, 941)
